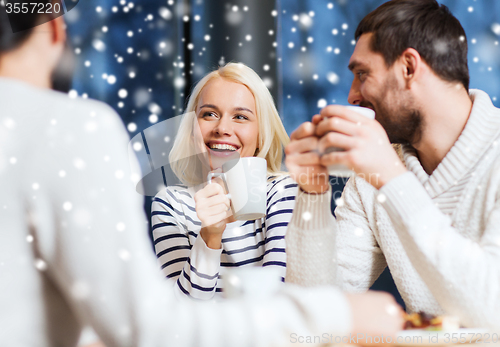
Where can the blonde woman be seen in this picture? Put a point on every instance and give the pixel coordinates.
(195, 237)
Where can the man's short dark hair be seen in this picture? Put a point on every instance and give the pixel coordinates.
(424, 25)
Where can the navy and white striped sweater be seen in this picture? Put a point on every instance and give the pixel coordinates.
(185, 257)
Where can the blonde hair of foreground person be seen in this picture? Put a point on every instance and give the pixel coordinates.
(183, 157)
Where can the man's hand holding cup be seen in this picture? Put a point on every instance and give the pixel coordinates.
(342, 141)
(363, 143)
(304, 162)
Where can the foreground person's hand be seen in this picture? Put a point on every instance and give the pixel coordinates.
(367, 149)
(376, 315)
(212, 207)
(303, 160)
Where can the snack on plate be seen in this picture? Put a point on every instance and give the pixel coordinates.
(426, 321)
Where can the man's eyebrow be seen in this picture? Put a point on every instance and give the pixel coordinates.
(353, 65)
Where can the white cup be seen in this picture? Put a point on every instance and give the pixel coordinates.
(252, 282)
(246, 182)
(342, 170)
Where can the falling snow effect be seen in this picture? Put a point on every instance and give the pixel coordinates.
(141, 55)
(40, 264)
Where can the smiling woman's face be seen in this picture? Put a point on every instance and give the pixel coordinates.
(228, 119)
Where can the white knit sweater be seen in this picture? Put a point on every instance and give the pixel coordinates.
(74, 248)
(439, 234)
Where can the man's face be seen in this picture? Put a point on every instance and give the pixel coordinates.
(383, 90)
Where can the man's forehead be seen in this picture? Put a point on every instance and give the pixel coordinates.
(361, 49)
(363, 55)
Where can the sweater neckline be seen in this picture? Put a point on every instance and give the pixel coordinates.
(479, 133)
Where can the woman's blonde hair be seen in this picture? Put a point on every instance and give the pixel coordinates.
(272, 134)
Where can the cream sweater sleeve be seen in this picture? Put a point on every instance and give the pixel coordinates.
(463, 275)
(310, 241)
(360, 258)
(314, 237)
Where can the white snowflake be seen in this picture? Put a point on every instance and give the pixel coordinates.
(381, 198)
(131, 127)
(165, 13)
(137, 146)
(122, 93)
(111, 79)
(332, 77)
(358, 232)
(9, 123)
(124, 254)
(495, 27)
(153, 118)
(40, 264)
(98, 45)
(67, 206)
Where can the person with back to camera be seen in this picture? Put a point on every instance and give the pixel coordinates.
(196, 236)
(74, 249)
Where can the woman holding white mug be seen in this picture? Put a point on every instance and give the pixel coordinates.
(229, 114)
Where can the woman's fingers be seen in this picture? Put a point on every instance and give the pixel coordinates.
(212, 205)
(215, 219)
(209, 190)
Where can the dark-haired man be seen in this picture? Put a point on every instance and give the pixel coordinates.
(431, 214)
(73, 242)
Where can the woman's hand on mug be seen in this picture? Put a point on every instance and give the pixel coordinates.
(212, 207)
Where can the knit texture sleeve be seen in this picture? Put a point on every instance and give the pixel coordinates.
(280, 204)
(360, 258)
(94, 256)
(310, 241)
(195, 267)
(463, 275)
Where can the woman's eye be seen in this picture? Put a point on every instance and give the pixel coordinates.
(241, 117)
(209, 115)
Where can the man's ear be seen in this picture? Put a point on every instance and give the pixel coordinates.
(412, 65)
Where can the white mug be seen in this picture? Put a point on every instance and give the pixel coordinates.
(246, 182)
(251, 282)
(340, 170)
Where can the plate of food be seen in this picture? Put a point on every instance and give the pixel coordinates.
(423, 329)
